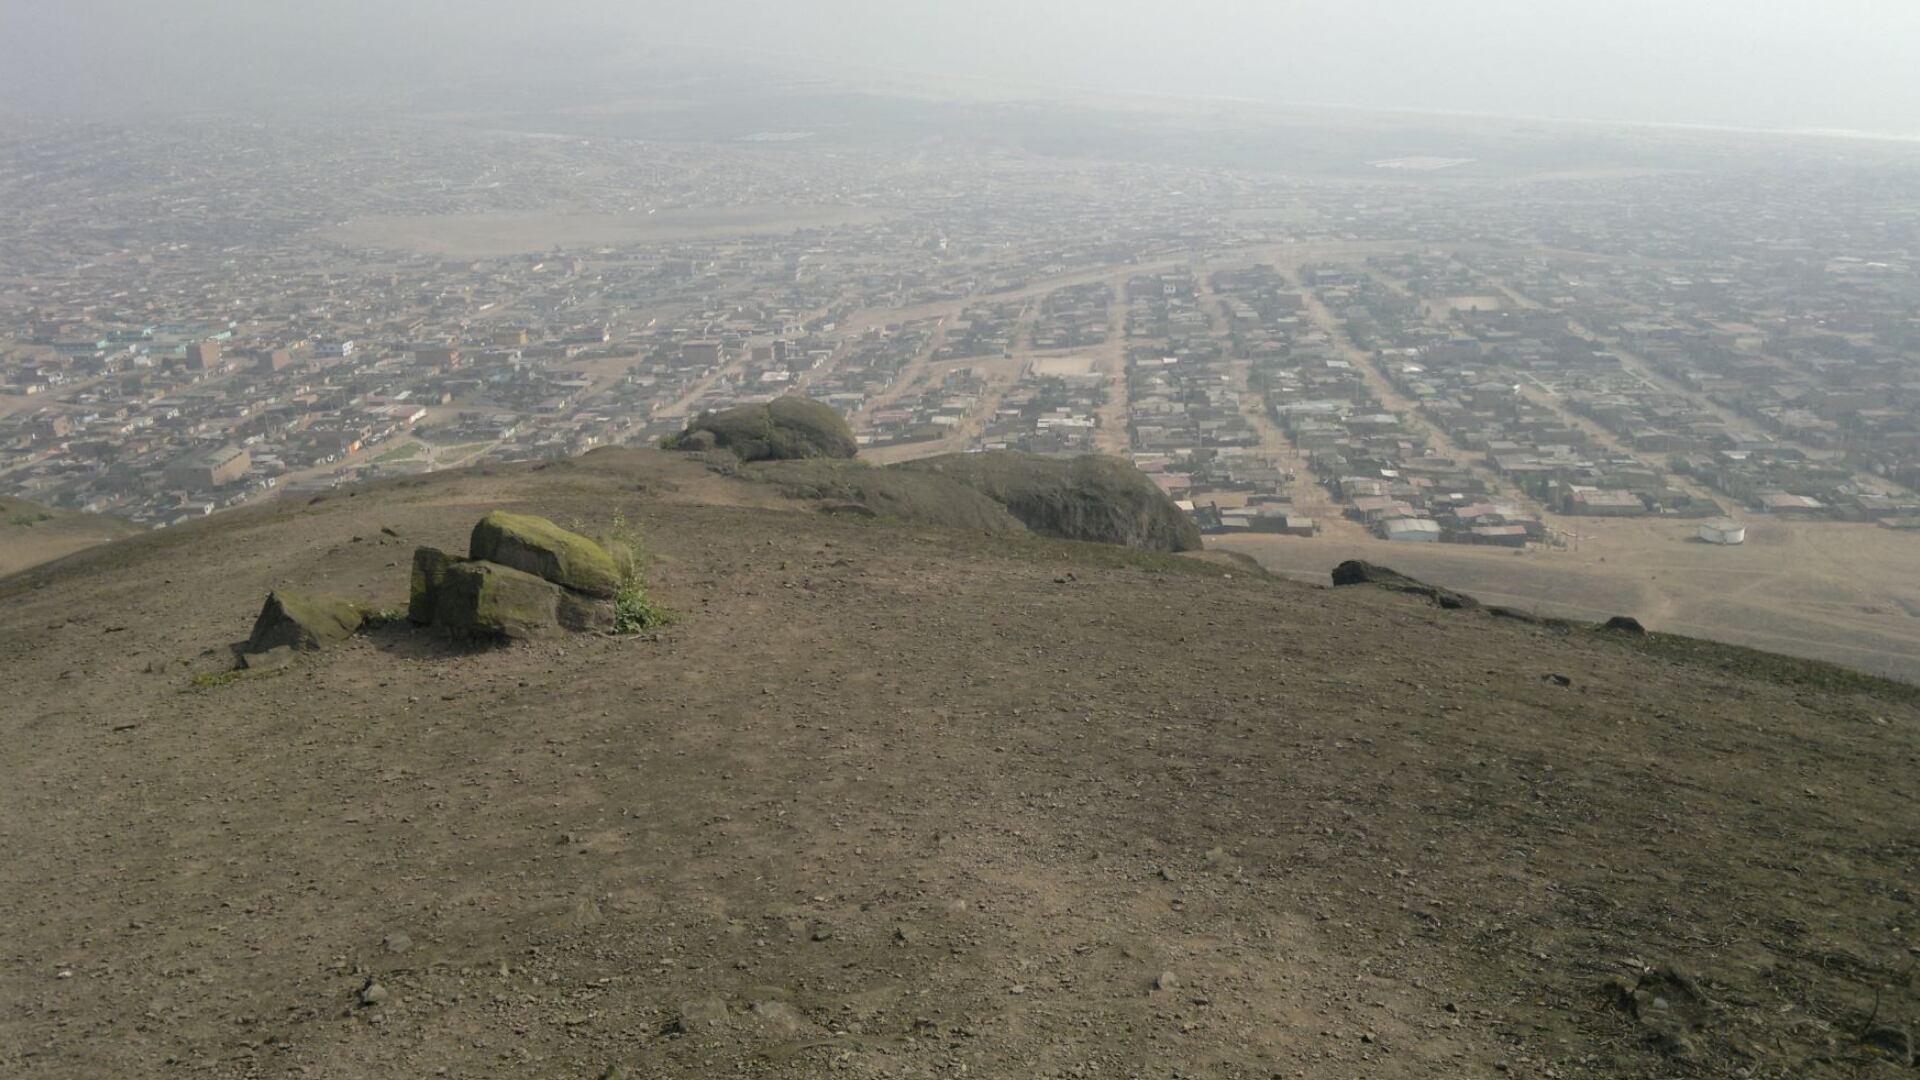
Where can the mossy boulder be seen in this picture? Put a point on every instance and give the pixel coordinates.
(483, 601)
(302, 620)
(430, 567)
(537, 546)
(1093, 498)
(784, 429)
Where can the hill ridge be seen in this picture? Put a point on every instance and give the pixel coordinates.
(896, 798)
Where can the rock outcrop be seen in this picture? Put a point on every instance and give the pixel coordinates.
(1357, 572)
(853, 488)
(483, 601)
(536, 546)
(301, 620)
(1098, 499)
(784, 429)
(525, 578)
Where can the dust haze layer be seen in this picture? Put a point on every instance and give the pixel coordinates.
(1837, 65)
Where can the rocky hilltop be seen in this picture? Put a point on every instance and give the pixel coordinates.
(887, 793)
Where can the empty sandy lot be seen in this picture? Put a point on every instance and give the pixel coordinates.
(1846, 593)
(31, 534)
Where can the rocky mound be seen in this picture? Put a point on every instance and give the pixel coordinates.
(1093, 498)
(852, 487)
(784, 429)
(523, 578)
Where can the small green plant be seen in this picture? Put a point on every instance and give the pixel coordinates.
(634, 611)
(208, 680)
(28, 521)
(213, 680)
(385, 616)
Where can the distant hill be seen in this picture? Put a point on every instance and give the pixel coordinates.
(893, 797)
(31, 534)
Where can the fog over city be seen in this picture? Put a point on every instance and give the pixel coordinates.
(1783, 64)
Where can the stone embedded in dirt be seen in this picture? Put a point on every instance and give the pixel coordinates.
(776, 1016)
(1357, 572)
(536, 546)
(429, 572)
(300, 620)
(1625, 624)
(396, 943)
(371, 994)
(483, 601)
(1671, 1007)
(1557, 679)
(700, 1015)
(1166, 980)
(1895, 1043)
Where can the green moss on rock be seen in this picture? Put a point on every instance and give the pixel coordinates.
(301, 620)
(430, 567)
(1100, 499)
(483, 601)
(784, 429)
(853, 487)
(537, 546)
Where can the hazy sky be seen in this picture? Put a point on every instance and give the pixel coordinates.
(1847, 64)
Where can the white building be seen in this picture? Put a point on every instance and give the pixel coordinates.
(1724, 531)
(1411, 530)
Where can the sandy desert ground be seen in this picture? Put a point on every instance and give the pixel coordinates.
(1840, 592)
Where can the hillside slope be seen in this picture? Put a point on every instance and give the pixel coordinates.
(890, 800)
(31, 534)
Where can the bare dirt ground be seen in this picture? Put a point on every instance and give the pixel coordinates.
(1829, 591)
(478, 235)
(896, 802)
(31, 534)
(13, 403)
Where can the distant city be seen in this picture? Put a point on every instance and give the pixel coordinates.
(199, 315)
